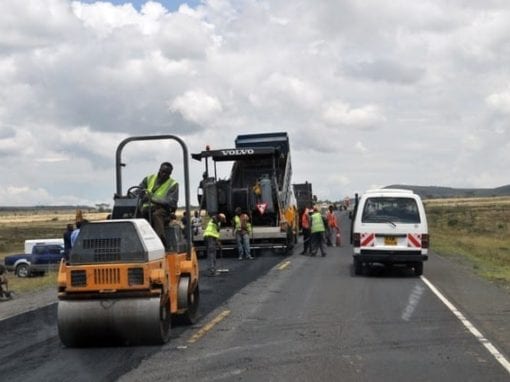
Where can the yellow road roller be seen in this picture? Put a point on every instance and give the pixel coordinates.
(121, 284)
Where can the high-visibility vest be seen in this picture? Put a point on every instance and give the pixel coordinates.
(212, 230)
(331, 219)
(317, 223)
(305, 220)
(162, 190)
(237, 223)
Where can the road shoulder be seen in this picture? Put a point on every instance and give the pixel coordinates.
(485, 304)
(27, 302)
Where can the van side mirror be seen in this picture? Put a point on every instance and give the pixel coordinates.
(350, 215)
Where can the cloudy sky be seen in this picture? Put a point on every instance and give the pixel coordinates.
(370, 92)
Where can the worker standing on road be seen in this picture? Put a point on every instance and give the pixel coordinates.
(305, 226)
(333, 230)
(318, 229)
(242, 229)
(160, 199)
(212, 237)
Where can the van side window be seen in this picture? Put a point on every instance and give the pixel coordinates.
(396, 210)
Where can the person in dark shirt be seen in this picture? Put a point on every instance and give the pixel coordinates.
(67, 240)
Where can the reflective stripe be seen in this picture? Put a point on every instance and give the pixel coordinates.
(367, 239)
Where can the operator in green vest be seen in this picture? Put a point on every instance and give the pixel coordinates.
(318, 229)
(161, 197)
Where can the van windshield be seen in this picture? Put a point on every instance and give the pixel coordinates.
(390, 210)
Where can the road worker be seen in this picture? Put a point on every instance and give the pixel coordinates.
(212, 237)
(242, 229)
(305, 227)
(318, 228)
(160, 198)
(333, 229)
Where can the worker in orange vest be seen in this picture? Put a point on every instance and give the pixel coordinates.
(333, 234)
(305, 226)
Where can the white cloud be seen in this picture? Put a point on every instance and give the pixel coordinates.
(500, 102)
(360, 147)
(342, 114)
(196, 106)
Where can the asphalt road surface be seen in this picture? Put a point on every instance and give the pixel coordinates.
(297, 318)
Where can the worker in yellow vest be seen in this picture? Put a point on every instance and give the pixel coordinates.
(212, 238)
(242, 229)
(318, 228)
(160, 199)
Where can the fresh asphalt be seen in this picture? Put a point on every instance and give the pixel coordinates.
(295, 318)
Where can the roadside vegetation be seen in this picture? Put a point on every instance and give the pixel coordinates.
(474, 232)
(16, 227)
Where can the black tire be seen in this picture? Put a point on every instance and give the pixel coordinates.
(192, 298)
(165, 323)
(418, 269)
(358, 267)
(22, 270)
(289, 243)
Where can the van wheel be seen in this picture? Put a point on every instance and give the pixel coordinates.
(418, 269)
(22, 270)
(358, 266)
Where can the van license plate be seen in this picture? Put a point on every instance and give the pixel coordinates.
(390, 240)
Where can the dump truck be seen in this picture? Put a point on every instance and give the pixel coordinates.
(121, 284)
(259, 183)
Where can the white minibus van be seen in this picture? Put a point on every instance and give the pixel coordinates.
(390, 227)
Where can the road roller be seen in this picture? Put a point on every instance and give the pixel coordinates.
(122, 284)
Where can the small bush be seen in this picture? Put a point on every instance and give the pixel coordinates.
(453, 222)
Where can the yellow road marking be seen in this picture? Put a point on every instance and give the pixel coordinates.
(283, 266)
(208, 326)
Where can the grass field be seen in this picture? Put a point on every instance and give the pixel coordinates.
(475, 232)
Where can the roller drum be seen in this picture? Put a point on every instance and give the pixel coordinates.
(127, 321)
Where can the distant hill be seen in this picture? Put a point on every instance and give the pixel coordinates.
(434, 192)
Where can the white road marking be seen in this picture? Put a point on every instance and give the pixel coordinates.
(414, 300)
(478, 335)
(283, 265)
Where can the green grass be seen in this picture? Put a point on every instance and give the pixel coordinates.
(473, 233)
(28, 284)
